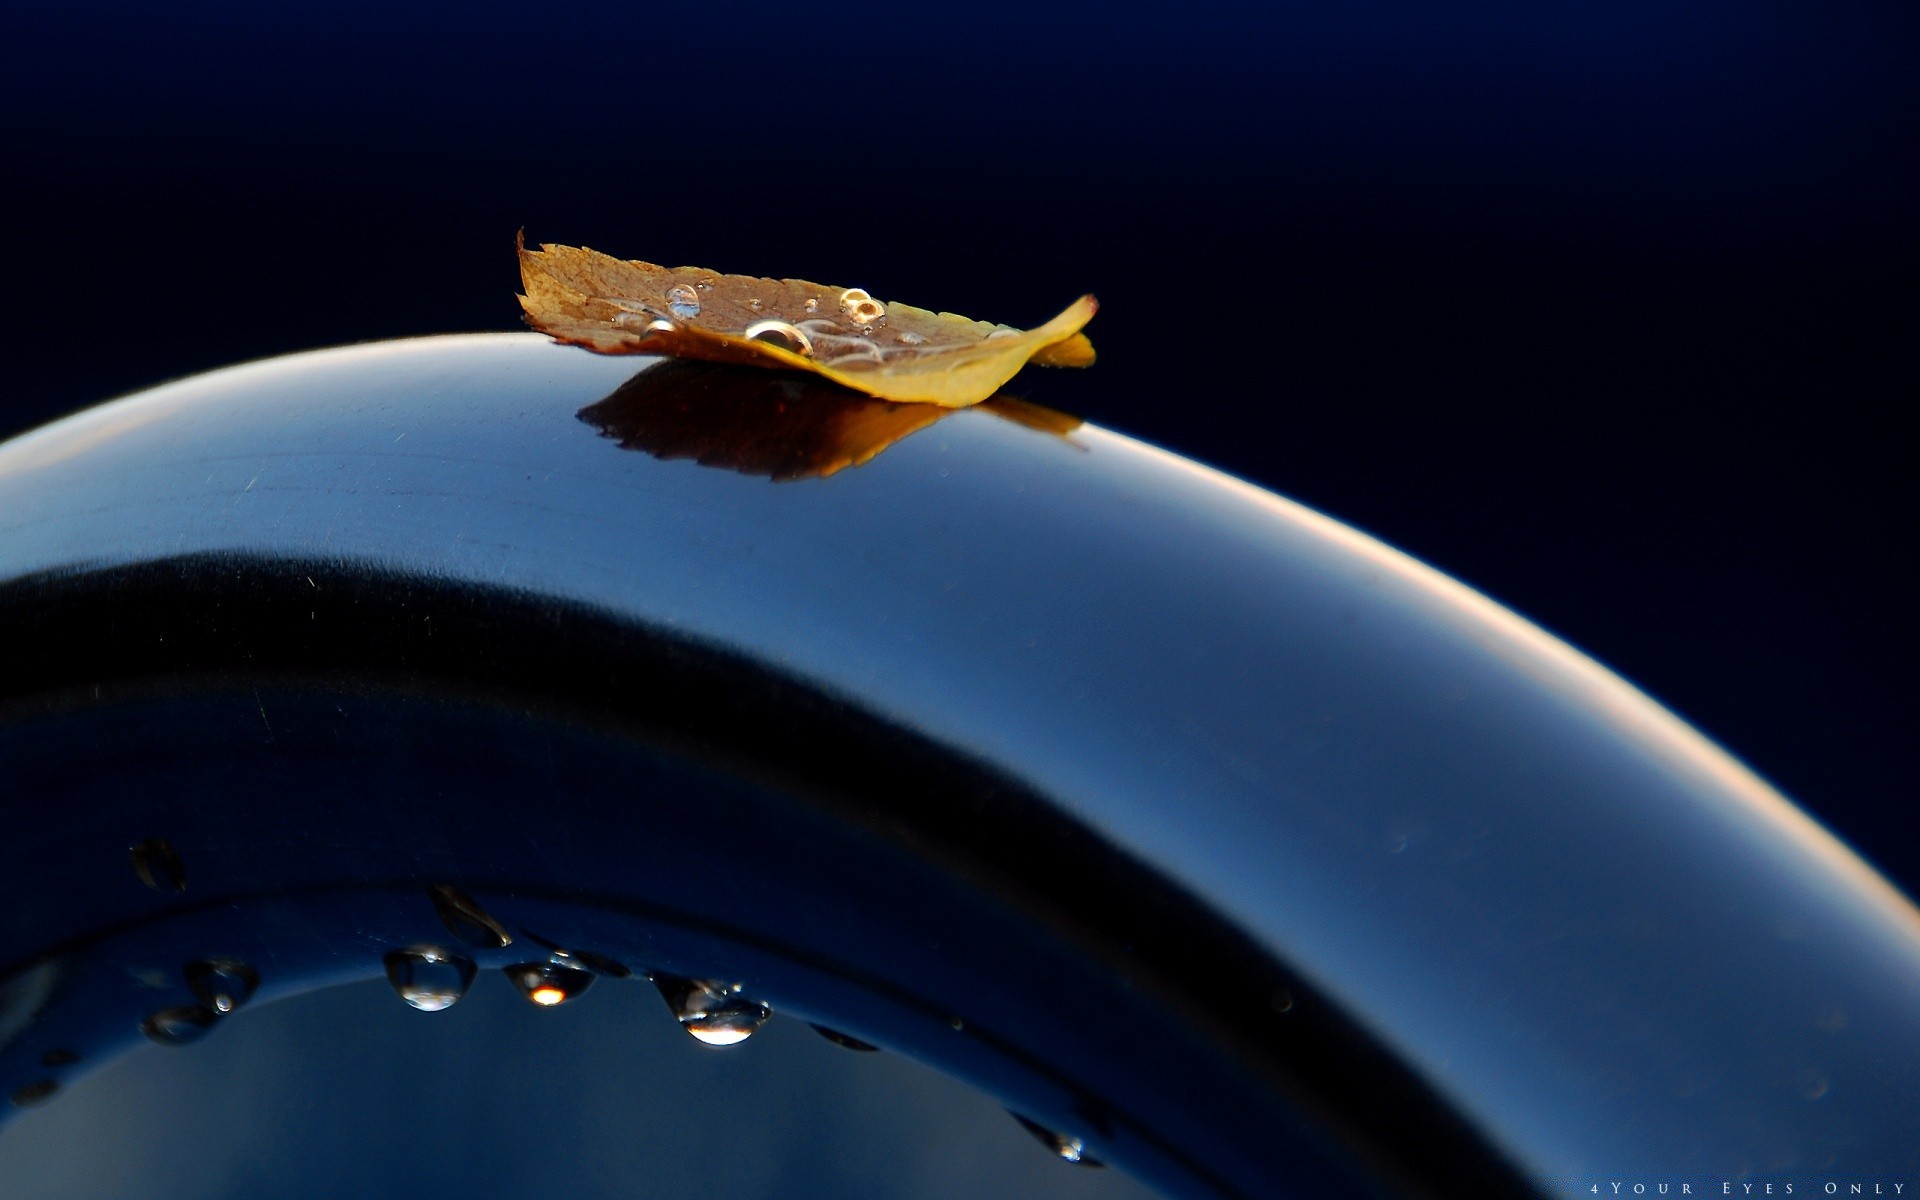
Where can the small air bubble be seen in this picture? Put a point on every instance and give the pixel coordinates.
(429, 978)
(683, 302)
(813, 306)
(158, 865)
(755, 304)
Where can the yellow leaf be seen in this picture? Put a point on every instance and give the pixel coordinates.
(893, 351)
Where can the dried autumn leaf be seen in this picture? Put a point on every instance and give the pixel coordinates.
(893, 351)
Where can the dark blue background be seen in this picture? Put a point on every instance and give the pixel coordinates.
(1603, 307)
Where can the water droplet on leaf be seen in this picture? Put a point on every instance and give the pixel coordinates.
(429, 977)
(713, 1012)
(864, 309)
(781, 334)
(549, 983)
(841, 1039)
(180, 1025)
(683, 301)
(158, 865)
(466, 920)
(1072, 1149)
(813, 306)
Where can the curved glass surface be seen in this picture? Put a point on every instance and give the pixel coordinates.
(1602, 940)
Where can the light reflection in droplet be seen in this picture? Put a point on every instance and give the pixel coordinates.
(1067, 1147)
(222, 984)
(430, 978)
(549, 984)
(683, 302)
(712, 1012)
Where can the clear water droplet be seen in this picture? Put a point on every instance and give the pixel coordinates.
(430, 978)
(181, 1025)
(706, 285)
(35, 1092)
(1072, 1149)
(864, 309)
(783, 335)
(158, 865)
(754, 304)
(847, 1040)
(548, 984)
(59, 1058)
(713, 1012)
(222, 984)
(909, 338)
(683, 302)
(466, 920)
(813, 306)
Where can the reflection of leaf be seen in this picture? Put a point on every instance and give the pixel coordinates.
(892, 351)
(779, 424)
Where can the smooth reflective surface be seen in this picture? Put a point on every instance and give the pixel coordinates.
(487, 1100)
(1599, 938)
